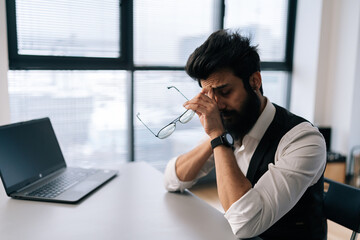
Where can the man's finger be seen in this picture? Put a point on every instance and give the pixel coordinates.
(199, 99)
(211, 94)
(198, 108)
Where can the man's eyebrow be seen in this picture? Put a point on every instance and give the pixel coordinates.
(221, 86)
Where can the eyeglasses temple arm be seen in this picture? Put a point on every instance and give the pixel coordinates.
(137, 115)
(178, 91)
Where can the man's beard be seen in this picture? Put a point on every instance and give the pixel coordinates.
(241, 122)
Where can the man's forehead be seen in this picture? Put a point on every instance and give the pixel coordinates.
(210, 83)
(217, 79)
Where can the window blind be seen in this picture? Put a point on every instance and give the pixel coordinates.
(81, 28)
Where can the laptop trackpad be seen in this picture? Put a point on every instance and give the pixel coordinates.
(85, 186)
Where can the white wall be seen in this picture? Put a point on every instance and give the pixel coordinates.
(354, 139)
(307, 42)
(4, 96)
(326, 84)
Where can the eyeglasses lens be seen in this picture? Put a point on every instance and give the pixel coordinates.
(187, 116)
(166, 131)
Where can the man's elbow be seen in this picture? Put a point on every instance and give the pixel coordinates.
(246, 231)
(171, 186)
(248, 227)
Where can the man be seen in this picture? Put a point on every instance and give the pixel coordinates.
(270, 182)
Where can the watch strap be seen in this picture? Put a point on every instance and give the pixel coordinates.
(217, 141)
(220, 140)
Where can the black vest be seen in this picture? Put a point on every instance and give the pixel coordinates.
(305, 220)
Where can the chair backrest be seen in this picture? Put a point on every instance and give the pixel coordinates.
(342, 204)
(356, 176)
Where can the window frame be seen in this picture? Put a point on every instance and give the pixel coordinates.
(126, 61)
(41, 62)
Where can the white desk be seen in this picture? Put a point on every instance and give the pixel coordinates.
(134, 205)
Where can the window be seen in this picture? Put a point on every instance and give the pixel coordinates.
(152, 102)
(167, 32)
(264, 21)
(87, 110)
(91, 66)
(65, 34)
(68, 28)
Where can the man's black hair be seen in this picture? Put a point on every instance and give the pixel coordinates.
(224, 49)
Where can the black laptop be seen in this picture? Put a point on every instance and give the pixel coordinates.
(32, 165)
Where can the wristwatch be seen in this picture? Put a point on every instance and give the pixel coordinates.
(224, 139)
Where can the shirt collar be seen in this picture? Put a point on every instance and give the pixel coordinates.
(263, 121)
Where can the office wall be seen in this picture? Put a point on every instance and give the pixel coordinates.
(342, 72)
(4, 96)
(326, 68)
(354, 139)
(306, 58)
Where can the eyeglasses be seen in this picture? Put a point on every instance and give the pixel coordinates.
(170, 128)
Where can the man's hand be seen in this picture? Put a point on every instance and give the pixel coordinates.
(206, 108)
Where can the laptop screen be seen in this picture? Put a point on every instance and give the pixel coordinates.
(28, 151)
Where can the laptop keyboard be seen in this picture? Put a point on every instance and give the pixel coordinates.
(62, 183)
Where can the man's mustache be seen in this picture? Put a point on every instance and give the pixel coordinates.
(227, 113)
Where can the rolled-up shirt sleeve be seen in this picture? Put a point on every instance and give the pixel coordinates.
(172, 182)
(299, 163)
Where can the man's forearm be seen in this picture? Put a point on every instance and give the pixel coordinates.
(231, 182)
(189, 164)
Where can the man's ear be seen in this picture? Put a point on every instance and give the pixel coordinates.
(255, 81)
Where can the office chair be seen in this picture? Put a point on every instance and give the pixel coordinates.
(342, 205)
(353, 175)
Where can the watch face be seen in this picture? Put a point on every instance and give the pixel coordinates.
(229, 138)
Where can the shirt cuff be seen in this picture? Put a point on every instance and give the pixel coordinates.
(171, 180)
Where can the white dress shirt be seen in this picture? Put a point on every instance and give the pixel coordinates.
(299, 162)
